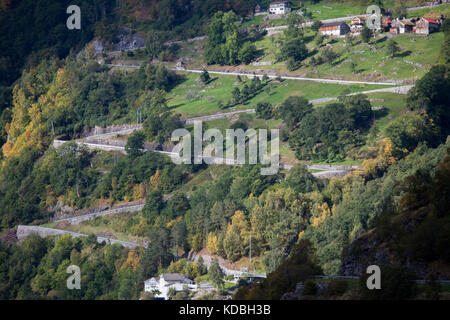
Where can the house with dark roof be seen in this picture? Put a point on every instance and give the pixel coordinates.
(334, 29)
(160, 286)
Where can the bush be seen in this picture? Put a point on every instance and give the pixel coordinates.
(309, 287)
(316, 25)
(264, 110)
(294, 51)
(366, 34)
(337, 287)
(329, 55)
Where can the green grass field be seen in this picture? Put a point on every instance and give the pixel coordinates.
(204, 98)
(416, 57)
(444, 9)
(395, 105)
(372, 62)
(330, 9)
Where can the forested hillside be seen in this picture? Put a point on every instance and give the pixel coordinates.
(390, 207)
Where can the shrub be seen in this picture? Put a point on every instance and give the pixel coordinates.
(337, 287)
(264, 110)
(309, 287)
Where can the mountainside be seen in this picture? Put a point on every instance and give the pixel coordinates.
(89, 121)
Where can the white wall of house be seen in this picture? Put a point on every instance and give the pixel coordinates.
(334, 32)
(164, 286)
(279, 8)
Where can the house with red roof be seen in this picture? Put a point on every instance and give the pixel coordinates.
(427, 26)
(387, 23)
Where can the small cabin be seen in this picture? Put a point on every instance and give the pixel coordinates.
(426, 26)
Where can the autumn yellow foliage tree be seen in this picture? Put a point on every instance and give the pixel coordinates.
(385, 158)
(154, 179)
(321, 212)
(211, 243)
(236, 241)
(133, 259)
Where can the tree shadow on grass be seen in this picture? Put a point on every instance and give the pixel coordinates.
(312, 53)
(176, 106)
(403, 54)
(380, 40)
(308, 39)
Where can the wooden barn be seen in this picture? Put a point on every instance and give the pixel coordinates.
(427, 26)
(334, 29)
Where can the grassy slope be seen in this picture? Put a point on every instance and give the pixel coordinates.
(396, 105)
(330, 9)
(220, 89)
(372, 61)
(444, 9)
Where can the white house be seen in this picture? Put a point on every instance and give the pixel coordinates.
(161, 285)
(279, 7)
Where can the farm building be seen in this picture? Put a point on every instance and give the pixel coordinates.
(427, 26)
(402, 26)
(357, 24)
(387, 24)
(334, 29)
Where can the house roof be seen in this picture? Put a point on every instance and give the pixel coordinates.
(154, 278)
(430, 21)
(173, 276)
(334, 24)
(407, 22)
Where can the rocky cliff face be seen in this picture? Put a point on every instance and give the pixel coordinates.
(369, 250)
(361, 253)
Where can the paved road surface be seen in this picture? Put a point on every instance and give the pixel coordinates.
(253, 74)
(208, 160)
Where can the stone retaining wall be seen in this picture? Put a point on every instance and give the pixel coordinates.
(25, 231)
(90, 216)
